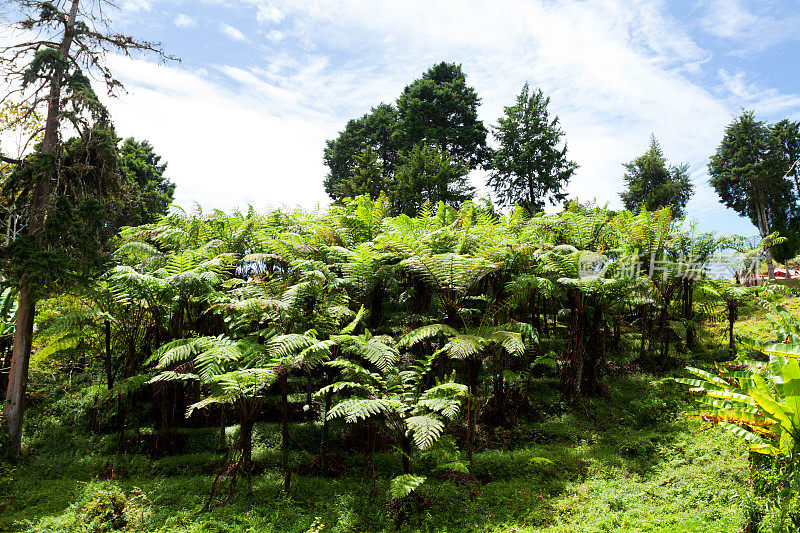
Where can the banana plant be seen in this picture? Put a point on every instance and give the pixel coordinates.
(757, 401)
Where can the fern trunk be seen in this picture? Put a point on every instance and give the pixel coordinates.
(572, 372)
(246, 443)
(594, 354)
(222, 435)
(732, 316)
(473, 365)
(688, 311)
(325, 430)
(405, 446)
(284, 388)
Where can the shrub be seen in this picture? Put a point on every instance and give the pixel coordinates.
(103, 508)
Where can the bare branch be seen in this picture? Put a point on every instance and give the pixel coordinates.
(11, 160)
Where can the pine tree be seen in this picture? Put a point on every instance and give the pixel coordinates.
(530, 168)
(652, 184)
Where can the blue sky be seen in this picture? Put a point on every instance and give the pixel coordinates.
(243, 118)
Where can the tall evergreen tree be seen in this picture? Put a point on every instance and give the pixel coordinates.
(376, 131)
(653, 184)
(366, 178)
(441, 110)
(748, 171)
(531, 167)
(788, 135)
(69, 37)
(428, 175)
(150, 190)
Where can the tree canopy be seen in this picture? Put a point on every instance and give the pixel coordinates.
(151, 192)
(530, 167)
(375, 133)
(652, 184)
(439, 110)
(429, 176)
(749, 171)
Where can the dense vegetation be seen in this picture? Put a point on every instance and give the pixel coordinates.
(349, 358)
(410, 357)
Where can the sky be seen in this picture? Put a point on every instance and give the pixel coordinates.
(242, 119)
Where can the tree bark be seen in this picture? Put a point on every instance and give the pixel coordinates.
(14, 407)
(763, 229)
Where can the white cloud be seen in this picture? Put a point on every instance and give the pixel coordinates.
(754, 26)
(269, 14)
(750, 94)
(253, 130)
(232, 32)
(136, 5)
(184, 21)
(225, 149)
(615, 71)
(276, 36)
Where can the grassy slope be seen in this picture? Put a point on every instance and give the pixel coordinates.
(629, 461)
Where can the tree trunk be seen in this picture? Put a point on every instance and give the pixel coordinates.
(223, 440)
(688, 311)
(473, 364)
(405, 446)
(14, 407)
(763, 229)
(284, 388)
(732, 316)
(572, 371)
(121, 416)
(645, 332)
(594, 354)
(108, 360)
(325, 429)
(247, 445)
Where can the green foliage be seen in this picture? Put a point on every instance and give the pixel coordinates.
(427, 175)
(143, 171)
(75, 240)
(454, 329)
(418, 152)
(402, 486)
(440, 109)
(374, 136)
(530, 168)
(653, 185)
(107, 508)
(749, 172)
